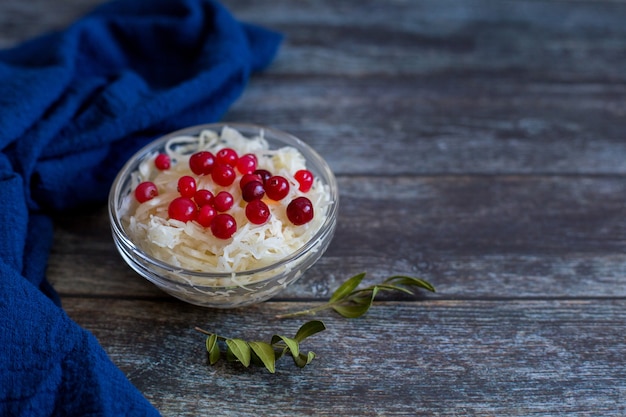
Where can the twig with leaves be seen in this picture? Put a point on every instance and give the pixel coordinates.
(348, 300)
(351, 302)
(262, 353)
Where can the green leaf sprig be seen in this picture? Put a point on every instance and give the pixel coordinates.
(347, 300)
(262, 353)
(351, 302)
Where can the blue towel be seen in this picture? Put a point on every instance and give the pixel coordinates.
(74, 105)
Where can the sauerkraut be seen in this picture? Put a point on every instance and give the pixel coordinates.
(190, 246)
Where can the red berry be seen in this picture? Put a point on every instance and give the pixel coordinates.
(201, 163)
(257, 212)
(223, 201)
(277, 188)
(206, 214)
(300, 211)
(146, 191)
(162, 162)
(203, 197)
(223, 226)
(183, 209)
(247, 163)
(223, 174)
(264, 174)
(187, 186)
(227, 156)
(246, 178)
(305, 179)
(253, 191)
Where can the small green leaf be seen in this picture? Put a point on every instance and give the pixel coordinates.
(280, 353)
(211, 341)
(406, 280)
(303, 360)
(358, 299)
(265, 352)
(213, 349)
(240, 349)
(230, 356)
(347, 287)
(292, 344)
(309, 329)
(388, 287)
(352, 311)
(356, 308)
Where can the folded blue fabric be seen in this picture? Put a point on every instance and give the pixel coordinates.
(74, 105)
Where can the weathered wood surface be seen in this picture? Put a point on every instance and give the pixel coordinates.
(477, 144)
(433, 358)
(474, 236)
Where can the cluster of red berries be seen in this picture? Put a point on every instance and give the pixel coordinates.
(209, 209)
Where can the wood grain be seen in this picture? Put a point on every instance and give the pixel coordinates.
(471, 236)
(477, 144)
(425, 358)
(562, 39)
(450, 123)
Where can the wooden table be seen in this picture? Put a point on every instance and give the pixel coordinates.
(480, 145)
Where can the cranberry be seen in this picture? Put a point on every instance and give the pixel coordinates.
(253, 191)
(264, 174)
(187, 186)
(223, 226)
(203, 197)
(206, 214)
(305, 179)
(183, 209)
(223, 201)
(223, 174)
(277, 188)
(246, 178)
(201, 163)
(227, 156)
(300, 211)
(146, 191)
(257, 212)
(247, 163)
(162, 162)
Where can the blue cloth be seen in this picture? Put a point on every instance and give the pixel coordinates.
(74, 105)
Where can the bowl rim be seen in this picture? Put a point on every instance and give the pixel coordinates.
(326, 229)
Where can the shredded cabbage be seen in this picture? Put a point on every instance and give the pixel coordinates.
(191, 246)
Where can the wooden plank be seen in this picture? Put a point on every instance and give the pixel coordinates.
(471, 236)
(437, 125)
(557, 39)
(427, 358)
(477, 145)
(439, 16)
(552, 38)
(485, 116)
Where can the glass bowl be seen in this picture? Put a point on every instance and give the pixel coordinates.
(216, 289)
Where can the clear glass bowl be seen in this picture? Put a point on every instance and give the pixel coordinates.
(222, 290)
